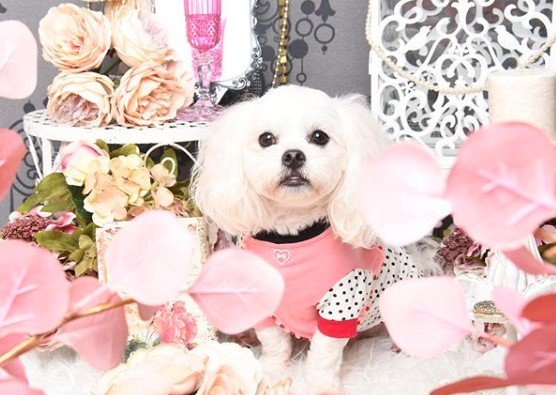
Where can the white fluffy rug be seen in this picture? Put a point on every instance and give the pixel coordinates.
(370, 368)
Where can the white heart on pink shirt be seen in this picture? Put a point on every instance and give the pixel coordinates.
(282, 256)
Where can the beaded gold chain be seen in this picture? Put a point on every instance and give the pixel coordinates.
(281, 67)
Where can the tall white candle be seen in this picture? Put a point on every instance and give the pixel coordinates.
(526, 95)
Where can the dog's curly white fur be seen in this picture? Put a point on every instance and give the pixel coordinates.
(239, 184)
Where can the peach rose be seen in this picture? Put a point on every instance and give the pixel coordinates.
(139, 38)
(166, 369)
(74, 39)
(81, 99)
(80, 159)
(151, 93)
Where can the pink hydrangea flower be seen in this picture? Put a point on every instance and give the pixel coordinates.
(175, 325)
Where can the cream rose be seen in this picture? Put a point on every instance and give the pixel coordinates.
(139, 38)
(74, 39)
(165, 369)
(81, 99)
(151, 93)
(229, 367)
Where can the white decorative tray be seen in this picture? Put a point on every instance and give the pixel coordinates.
(38, 124)
(42, 132)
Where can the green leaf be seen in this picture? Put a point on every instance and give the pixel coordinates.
(90, 230)
(543, 248)
(62, 205)
(126, 150)
(103, 146)
(181, 190)
(170, 161)
(53, 186)
(132, 346)
(83, 216)
(57, 241)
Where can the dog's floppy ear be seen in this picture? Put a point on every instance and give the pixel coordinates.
(364, 140)
(220, 188)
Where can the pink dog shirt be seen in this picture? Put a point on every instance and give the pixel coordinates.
(310, 268)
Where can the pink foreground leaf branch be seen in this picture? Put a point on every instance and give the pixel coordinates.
(500, 199)
(495, 182)
(34, 341)
(235, 290)
(497, 199)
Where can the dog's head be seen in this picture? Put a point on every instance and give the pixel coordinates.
(285, 160)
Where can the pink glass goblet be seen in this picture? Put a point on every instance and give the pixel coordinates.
(203, 21)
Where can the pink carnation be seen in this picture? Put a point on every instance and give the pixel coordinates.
(174, 324)
(64, 223)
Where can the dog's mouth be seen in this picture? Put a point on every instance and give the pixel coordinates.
(294, 180)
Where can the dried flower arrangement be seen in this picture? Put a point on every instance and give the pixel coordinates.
(39, 305)
(459, 254)
(94, 187)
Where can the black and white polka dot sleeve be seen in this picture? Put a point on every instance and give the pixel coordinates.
(347, 299)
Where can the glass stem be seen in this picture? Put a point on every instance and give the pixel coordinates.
(205, 77)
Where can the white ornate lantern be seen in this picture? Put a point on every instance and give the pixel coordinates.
(453, 45)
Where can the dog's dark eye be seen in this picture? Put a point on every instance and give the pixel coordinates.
(267, 139)
(318, 137)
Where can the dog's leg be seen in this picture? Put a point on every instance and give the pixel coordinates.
(322, 367)
(275, 355)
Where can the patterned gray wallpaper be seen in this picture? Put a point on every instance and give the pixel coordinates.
(327, 51)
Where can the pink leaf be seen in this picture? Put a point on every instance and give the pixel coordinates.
(13, 386)
(502, 186)
(237, 289)
(12, 151)
(533, 359)
(541, 309)
(147, 312)
(15, 367)
(34, 293)
(511, 304)
(149, 259)
(524, 260)
(471, 384)
(18, 60)
(403, 185)
(99, 339)
(425, 316)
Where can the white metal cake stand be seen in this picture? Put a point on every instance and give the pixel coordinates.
(44, 132)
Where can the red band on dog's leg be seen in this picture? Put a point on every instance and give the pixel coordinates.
(338, 329)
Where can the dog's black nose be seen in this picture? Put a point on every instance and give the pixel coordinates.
(293, 159)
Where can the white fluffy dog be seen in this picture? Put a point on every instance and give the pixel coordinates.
(281, 173)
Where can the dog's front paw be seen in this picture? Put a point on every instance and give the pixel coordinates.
(275, 387)
(276, 375)
(323, 383)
